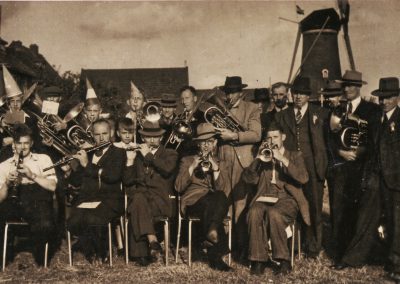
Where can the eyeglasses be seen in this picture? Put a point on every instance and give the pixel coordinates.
(207, 142)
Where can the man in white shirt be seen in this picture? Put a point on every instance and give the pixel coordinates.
(26, 192)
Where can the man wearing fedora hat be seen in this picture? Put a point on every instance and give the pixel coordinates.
(263, 100)
(202, 179)
(344, 177)
(150, 183)
(381, 185)
(303, 125)
(168, 108)
(236, 150)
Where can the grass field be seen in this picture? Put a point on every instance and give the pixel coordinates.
(24, 270)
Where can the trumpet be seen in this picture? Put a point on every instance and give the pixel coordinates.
(267, 150)
(66, 160)
(205, 163)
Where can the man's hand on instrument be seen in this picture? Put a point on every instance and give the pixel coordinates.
(214, 164)
(60, 125)
(82, 157)
(7, 141)
(226, 134)
(348, 155)
(144, 149)
(25, 171)
(195, 163)
(12, 177)
(48, 141)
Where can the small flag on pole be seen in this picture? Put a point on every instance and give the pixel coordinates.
(299, 10)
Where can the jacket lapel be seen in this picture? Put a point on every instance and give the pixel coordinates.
(290, 120)
(104, 157)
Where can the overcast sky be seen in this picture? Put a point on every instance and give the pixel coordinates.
(216, 39)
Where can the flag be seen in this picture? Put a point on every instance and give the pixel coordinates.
(299, 10)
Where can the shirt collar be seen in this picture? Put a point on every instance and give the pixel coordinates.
(390, 113)
(355, 103)
(302, 110)
(31, 156)
(282, 150)
(237, 103)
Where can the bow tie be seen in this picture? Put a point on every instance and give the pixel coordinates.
(98, 153)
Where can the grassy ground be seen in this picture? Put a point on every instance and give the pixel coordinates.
(23, 269)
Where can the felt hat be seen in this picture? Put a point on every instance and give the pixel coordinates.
(352, 78)
(233, 84)
(151, 128)
(261, 95)
(301, 85)
(332, 89)
(388, 87)
(205, 131)
(168, 100)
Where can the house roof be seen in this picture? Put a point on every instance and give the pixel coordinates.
(153, 81)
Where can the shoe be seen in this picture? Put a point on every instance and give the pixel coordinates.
(340, 266)
(220, 265)
(284, 268)
(257, 267)
(155, 249)
(212, 236)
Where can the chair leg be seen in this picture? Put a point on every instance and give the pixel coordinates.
(46, 252)
(5, 246)
(230, 242)
(190, 243)
(121, 223)
(110, 243)
(69, 248)
(299, 243)
(178, 239)
(126, 242)
(166, 241)
(292, 227)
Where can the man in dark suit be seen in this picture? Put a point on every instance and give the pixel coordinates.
(345, 177)
(263, 100)
(303, 126)
(150, 183)
(277, 176)
(382, 185)
(204, 195)
(99, 176)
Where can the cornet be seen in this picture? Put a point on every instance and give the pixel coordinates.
(267, 150)
(205, 163)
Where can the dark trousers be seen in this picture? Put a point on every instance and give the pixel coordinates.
(143, 209)
(267, 221)
(38, 214)
(344, 184)
(212, 210)
(90, 225)
(366, 229)
(313, 191)
(392, 220)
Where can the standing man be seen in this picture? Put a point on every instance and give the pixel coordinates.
(236, 150)
(168, 105)
(136, 103)
(280, 92)
(303, 126)
(27, 192)
(150, 178)
(263, 100)
(345, 178)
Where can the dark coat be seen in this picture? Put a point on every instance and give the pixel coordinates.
(194, 187)
(317, 116)
(154, 175)
(290, 179)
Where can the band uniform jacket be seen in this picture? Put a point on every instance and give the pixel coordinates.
(248, 114)
(194, 187)
(317, 116)
(102, 181)
(290, 179)
(154, 175)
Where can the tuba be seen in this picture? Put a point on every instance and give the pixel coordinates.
(151, 111)
(66, 141)
(220, 116)
(351, 129)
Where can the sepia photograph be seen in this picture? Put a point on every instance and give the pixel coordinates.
(200, 141)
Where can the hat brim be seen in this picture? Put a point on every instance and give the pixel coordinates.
(385, 94)
(351, 82)
(331, 93)
(168, 104)
(302, 92)
(158, 132)
(232, 89)
(204, 136)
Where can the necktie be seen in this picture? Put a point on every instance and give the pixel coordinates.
(384, 121)
(350, 108)
(298, 116)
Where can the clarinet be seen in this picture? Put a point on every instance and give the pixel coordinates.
(14, 190)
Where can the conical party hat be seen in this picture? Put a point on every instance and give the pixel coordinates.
(10, 86)
(135, 90)
(90, 93)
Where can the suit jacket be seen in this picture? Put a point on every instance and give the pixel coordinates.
(154, 175)
(102, 181)
(387, 149)
(317, 116)
(290, 179)
(248, 114)
(194, 187)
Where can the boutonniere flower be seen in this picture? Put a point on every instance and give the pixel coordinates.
(315, 118)
(392, 126)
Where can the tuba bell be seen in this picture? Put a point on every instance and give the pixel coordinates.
(151, 111)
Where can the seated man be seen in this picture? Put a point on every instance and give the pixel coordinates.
(201, 179)
(151, 182)
(278, 177)
(26, 192)
(99, 176)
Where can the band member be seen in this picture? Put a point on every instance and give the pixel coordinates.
(303, 127)
(54, 94)
(345, 177)
(202, 180)
(150, 178)
(136, 102)
(263, 100)
(126, 133)
(236, 150)
(99, 177)
(168, 105)
(279, 93)
(380, 188)
(27, 192)
(278, 174)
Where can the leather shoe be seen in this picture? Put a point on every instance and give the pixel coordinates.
(155, 249)
(257, 267)
(219, 264)
(284, 268)
(340, 266)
